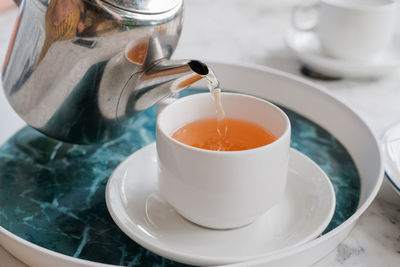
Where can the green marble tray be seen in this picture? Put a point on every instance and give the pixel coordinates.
(52, 193)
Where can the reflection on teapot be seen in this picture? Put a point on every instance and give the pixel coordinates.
(79, 70)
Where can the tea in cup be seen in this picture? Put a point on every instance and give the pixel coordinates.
(358, 30)
(229, 134)
(229, 187)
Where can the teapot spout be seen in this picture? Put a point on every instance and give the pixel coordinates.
(163, 79)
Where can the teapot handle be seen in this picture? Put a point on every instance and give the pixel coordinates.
(298, 20)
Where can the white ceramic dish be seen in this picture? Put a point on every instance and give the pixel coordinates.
(391, 155)
(306, 46)
(135, 205)
(304, 97)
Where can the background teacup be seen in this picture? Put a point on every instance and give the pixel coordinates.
(357, 30)
(222, 189)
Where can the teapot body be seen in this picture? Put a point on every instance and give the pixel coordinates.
(69, 63)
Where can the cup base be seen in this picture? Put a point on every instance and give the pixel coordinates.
(360, 59)
(219, 226)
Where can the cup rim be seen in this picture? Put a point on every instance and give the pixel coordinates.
(278, 140)
(385, 5)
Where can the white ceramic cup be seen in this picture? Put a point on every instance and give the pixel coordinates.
(358, 30)
(222, 189)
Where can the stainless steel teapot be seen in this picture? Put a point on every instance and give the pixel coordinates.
(79, 70)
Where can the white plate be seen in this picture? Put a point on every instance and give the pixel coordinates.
(391, 155)
(134, 204)
(306, 47)
(302, 96)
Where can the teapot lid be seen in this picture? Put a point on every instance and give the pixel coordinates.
(145, 6)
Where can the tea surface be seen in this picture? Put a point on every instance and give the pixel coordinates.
(239, 135)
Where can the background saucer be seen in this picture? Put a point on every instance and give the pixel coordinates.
(134, 204)
(306, 46)
(391, 155)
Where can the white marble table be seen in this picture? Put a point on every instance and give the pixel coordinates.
(252, 31)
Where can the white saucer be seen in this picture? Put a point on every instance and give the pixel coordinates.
(306, 47)
(136, 207)
(391, 155)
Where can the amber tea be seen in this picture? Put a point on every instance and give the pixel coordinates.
(240, 135)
